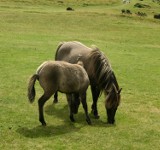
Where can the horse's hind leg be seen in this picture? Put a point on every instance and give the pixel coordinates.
(69, 99)
(85, 107)
(55, 97)
(41, 103)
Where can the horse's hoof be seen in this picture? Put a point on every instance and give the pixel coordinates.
(72, 119)
(44, 124)
(89, 121)
(110, 123)
(55, 101)
(97, 117)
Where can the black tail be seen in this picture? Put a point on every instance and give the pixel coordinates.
(31, 89)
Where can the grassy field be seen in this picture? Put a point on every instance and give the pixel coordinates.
(29, 34)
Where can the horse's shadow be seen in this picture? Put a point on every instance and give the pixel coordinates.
(51, 130)
(60, 129)
(47, 131)
(63, 114)
(55, 111)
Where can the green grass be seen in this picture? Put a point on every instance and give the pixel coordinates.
(29, 34)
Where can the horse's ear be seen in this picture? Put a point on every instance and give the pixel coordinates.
(119, 91)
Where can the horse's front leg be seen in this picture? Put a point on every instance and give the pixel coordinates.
(69, 99)
(85, 107)
(95, 95)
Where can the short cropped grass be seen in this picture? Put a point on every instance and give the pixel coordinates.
(29, 34)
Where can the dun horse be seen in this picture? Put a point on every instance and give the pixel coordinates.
(100, 73)
(53, 76)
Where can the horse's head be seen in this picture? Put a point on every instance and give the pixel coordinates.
(112, 103)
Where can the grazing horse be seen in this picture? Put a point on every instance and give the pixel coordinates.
(53, 76)
(100, 73)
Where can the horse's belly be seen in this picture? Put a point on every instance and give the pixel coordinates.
(67, 89)
(73, 86)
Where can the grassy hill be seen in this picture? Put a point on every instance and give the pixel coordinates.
(30, 31)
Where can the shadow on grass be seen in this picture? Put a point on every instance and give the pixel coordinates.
(47, 131)
(79, 118)
(55, 111)
(65, 126)
(60, 129)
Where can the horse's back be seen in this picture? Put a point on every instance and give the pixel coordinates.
(72, 51)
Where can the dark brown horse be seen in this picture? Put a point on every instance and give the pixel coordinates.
(53, 76)
(101, 75)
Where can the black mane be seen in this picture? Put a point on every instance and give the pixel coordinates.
(103, 73)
